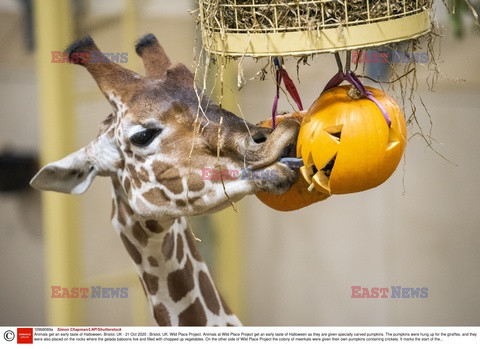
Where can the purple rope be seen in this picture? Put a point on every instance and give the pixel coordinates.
(275, 102)
(350, 76)
(336, 80)
(281, 74)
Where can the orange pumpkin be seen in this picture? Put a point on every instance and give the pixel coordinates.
(346, 144)
(298, 195)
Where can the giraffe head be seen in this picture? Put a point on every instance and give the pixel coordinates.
(161, 139)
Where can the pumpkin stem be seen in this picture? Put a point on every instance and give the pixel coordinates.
(357, 90)
(354, 93)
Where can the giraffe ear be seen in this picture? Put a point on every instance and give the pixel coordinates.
(72, 175)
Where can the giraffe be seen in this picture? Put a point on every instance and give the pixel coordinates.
(154, 146)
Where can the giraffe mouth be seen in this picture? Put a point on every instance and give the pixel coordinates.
(289, 150)
(288, 156)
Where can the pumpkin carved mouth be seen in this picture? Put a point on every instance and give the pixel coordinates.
(321, 178)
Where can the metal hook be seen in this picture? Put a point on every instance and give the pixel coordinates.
(278, 62)
(348, 61)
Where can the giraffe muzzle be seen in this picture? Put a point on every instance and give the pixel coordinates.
(281, 143)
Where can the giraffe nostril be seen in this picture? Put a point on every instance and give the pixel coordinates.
(259, 138)
(261, 135)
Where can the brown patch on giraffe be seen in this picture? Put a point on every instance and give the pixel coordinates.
(106, 123)
(156, 196)
(116, 183)
(208, 293)
(140, 234)
(180, 281)
(121, 212)
(134, 176)
(161, 315)
(120, 164)
(153, 262)
(194, 315)
(158, 167)
(180, 203)
(151, 282)
(131, 249)
(191, 245)
(114, 104)
(167, 246)
(139, 158)
(144, 175)
(195, 182)
(193, 200)
(179, 248)
(127, 210)
(126, 185)
(225, 306)
(169, 176)
(153, 226)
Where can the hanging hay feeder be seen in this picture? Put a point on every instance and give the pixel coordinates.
(274, 28)
(261, 28)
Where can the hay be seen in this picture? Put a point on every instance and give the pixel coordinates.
(250, 16)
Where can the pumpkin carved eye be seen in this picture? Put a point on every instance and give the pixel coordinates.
(145, 137)
(335, 132)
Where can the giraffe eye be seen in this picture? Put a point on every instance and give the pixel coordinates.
(145, 137)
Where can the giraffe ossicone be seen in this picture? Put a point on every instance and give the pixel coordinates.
(153, 147)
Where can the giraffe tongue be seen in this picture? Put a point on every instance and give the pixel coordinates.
(288, 157)
(293, 163)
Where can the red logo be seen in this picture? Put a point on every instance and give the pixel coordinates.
(25, 335)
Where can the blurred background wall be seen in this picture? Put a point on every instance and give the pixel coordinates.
(420, 229)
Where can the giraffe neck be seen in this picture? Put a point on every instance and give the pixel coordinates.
(177, 283)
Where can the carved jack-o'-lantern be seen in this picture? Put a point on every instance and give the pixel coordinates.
(345, 143)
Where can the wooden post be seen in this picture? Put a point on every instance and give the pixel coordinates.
(53, 23)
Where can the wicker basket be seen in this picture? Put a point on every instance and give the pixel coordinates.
(285, 27)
